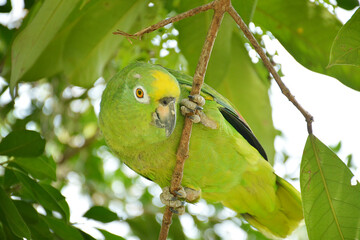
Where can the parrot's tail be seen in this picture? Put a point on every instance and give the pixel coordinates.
(286, 219)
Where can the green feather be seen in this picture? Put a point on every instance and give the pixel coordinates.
(227, 164)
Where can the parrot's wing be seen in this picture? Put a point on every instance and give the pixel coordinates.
(243, 129)
(227, 110)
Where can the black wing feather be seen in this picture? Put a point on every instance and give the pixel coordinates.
(243, 129)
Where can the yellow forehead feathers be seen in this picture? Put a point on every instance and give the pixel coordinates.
(165, 85)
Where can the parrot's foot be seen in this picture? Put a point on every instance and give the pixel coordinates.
(192, 108)
(176, 203)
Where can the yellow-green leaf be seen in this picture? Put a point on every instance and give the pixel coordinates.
(329, 194)
(31, 42)
(346, 46)
(306, 30)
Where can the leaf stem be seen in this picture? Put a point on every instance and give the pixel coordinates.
(308, 117)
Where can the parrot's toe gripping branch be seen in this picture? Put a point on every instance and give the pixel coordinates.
(176, 203)
(192, 108)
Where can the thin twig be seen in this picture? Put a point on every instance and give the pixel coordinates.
(165, 22)
(308, 117)
(183, 149)
(5, 162)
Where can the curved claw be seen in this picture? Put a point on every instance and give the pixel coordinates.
(198, 99)
(178, 211)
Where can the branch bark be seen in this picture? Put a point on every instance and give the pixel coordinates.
(190, 13)
(237, 18)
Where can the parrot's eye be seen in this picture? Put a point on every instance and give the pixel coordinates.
(141, 95)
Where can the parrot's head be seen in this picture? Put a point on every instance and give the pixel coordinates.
(139, 106)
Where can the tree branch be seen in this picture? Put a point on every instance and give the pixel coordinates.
(190, 13)
(182, 154)
(308, 117)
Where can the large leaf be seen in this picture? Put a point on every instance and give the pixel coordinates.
(306, 30)
(2, 232)
(109, 235)
(13, 218)
(33, 40)
(101, 214)
(231, 72)
(22, 144)
(84, 43)
(245, 8)
(38, 227)
(346, 46)
(144, 226)
(331, 203)
(347, 4)
(62, 230)
(91, 43)
(40, 167)
(59, 198)
(48, 199)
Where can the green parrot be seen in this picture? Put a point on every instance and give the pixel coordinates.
(141, 120)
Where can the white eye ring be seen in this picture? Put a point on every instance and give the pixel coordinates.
(141, 95)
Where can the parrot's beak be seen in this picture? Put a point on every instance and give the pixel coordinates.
(165, 115)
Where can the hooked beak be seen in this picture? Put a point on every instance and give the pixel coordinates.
(165, 115)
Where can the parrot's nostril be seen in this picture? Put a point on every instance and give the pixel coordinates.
(166, 100)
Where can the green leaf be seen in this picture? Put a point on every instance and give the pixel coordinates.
(84, 43)
(101, 214)
(15, 221)
(94, 169)
(2, 232)
(41, 167)
(245, 8)
(85, 235)
(62, 230)
(9, 178)
(347, 4)
(38, 227)
(110, 236)
(176, 231)
(346, 46)
(23, 143)
(144, 226)
(46, 198)
(6, 229)
(93, 39)
(6, 8)
(59, 198)
(32, 41)
(292, 23)
(331, 203)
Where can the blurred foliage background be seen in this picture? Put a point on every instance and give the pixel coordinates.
(56, 59)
